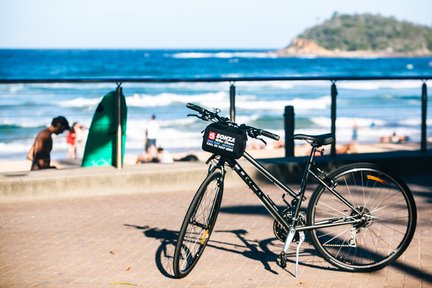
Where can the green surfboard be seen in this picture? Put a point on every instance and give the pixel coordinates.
(101, 145)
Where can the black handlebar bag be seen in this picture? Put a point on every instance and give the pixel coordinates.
(224, 140)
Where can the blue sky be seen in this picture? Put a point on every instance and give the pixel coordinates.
(180, 23)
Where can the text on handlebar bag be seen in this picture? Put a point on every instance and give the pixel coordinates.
(224, 140)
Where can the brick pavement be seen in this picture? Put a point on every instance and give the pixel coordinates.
(119, 241)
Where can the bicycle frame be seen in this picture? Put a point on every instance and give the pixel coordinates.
(297, 197)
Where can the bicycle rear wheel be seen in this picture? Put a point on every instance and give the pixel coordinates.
(386, 218)
(198, 224)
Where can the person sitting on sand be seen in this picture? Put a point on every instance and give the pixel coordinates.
(155, 155)
(349, 148)
(394, 138)
(40, 151)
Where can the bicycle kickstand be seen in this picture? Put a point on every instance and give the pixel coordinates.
(301, 240)
(281, 260)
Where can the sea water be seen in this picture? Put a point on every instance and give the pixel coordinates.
(377, 108)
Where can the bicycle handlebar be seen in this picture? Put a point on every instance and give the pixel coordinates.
(195, 108)
(270, 135)
(207, 115)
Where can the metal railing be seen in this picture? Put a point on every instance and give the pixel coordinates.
(232, 93)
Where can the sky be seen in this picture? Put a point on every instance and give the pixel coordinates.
(181, 24)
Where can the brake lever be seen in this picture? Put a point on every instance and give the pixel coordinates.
(265, 143)
(202, 117)
(191, 115)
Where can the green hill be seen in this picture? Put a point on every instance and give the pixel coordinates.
(365, 33)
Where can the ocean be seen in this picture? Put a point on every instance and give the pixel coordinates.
(378, 108)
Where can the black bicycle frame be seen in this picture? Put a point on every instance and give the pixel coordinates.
(299, 197)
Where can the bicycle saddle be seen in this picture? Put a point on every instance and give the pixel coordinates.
(318, 140)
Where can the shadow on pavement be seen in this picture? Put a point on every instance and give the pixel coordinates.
(252, 249)
(254, 210)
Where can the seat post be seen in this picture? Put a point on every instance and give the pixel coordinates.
(304, 180)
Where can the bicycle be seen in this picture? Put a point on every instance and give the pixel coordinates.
(360, 217)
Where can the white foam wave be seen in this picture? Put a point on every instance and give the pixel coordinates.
(211, 100)
(168, 138)
(80, 102)
(14, 147)
(413, 122)
(72, 86)
(344, 122)
(165, 99)
(350, 85)
(24, 122)
(266, 84)
(299, 104)
(375, 85)
(12, 88)
(225, 55)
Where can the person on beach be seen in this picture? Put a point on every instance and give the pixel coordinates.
(71, 141)
(155, 155)
(40, 152)
(151, 134)
(75, 139)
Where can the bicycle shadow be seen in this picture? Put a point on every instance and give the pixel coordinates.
(165, 253)
(253, 210)
(261, 251)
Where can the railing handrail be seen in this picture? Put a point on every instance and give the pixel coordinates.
(214, 79)
(232, 80)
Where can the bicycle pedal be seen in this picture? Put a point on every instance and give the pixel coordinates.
(281, 260)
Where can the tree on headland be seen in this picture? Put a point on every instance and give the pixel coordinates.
(363, 33)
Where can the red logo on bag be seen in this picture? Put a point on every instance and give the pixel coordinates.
(212, 135)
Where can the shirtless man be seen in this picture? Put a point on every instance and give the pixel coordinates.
(40, 153)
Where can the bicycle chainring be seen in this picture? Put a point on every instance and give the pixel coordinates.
(278, 230)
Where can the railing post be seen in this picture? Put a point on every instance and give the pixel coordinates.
(424, 118)
(119, 123)
(289, 130)
(333, 117)
(232, 94)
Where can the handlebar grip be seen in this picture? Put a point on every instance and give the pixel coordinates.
(269, 135)
(195, 107)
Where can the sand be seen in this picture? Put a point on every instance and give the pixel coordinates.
(300, 150)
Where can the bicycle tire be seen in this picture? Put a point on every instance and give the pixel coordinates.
(387, 212)
(198, 224)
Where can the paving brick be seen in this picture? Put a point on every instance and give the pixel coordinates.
(110, 241)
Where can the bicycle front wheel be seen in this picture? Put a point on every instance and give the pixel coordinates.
(381, 210)
(198, 224)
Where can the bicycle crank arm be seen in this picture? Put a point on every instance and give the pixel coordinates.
(289, 239)
(281, 260)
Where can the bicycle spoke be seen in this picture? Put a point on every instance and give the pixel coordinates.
(334, 209)
(393, 229)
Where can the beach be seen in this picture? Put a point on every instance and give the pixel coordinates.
(300, 150)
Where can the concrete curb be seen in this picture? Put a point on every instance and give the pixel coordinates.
(180, 176)
(76, 182)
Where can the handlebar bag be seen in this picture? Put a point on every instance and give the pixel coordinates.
(224, 140)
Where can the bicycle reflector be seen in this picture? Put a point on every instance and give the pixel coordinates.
(376, 179)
